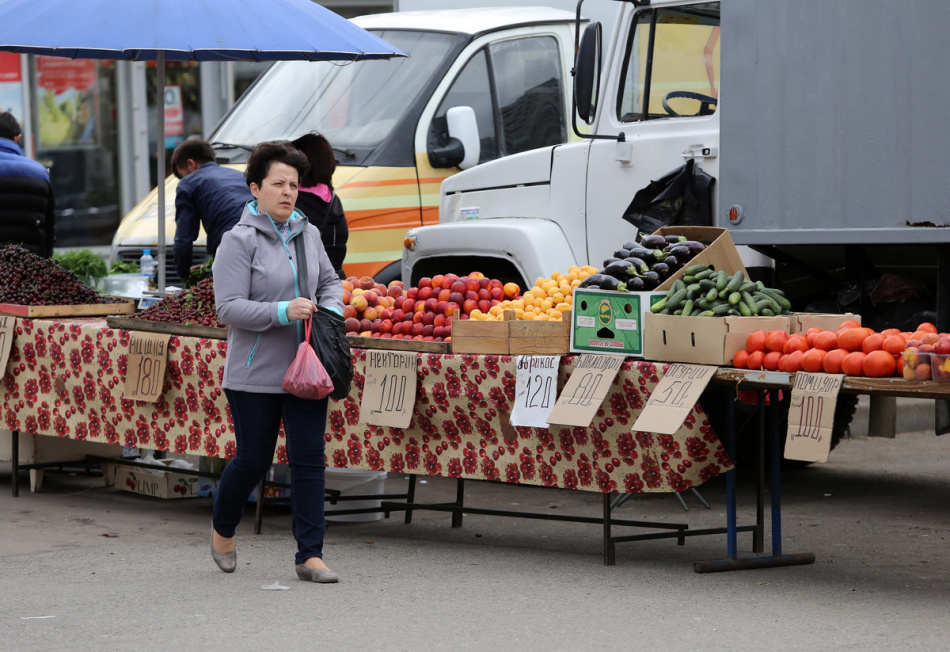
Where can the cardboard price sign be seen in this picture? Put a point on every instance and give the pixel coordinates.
(145, 369)
(7, 322)
(585, 389)
(389, 391)
(535, 390)
(811, 416)
(674, 397)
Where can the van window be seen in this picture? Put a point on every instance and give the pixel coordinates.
(515, 88)
(671, 67)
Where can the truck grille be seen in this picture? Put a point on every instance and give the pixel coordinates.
(133, 254)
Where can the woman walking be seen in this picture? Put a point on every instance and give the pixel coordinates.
(258, 294)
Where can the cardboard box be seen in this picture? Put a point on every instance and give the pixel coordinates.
(702, 340)
(610, 322)
(802, 321)
(155, 483)
(721, 254)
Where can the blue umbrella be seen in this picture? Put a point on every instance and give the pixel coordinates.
(184, 30)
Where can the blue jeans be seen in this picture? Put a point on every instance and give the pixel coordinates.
(256, 423)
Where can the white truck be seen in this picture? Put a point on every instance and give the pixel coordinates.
(829, 151)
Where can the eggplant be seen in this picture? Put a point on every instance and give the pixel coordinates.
(640, 252)
(673, 239)
(619, 270)
(607, 261)
(603, 282)
(630, 244)
(635, 284)
(662, 269)
(672, 261)
(621, 253)
(681, 252)
(693, 246)
(651, 279)
(593, 279)
(653, 241)
(638, 264)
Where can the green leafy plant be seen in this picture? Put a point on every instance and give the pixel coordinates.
(124, 267)
(199, 274)
(83, 263)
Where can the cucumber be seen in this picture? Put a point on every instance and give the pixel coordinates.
(760, 285)
(722, 280)
(687, 308)
(748, 286)
(659, 305)
(674, 300)
(777, 298)
(712, 295)
(678, 312)
(735, 298)
(706, 313)
(722, 309)
(736, 282)
(767, 312)
(706, 273)
(689, 279)
(744, 309)
(693, 291)
(677, 286)
(749, 302)
(696, 269)
(761, 305)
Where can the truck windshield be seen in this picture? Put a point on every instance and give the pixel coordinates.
(355, 105)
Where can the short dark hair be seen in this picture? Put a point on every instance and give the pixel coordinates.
(276, 151)
(9, 127)
(200, 151)
(321, 158)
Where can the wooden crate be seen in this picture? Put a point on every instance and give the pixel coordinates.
(143, 325)
(389, 344)
(481, 337)
(127, 306)
(540, 337)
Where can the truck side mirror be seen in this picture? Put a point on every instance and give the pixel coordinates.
(464, 146)
(587, 73)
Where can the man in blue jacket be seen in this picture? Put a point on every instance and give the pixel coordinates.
(208, 195)
(26, 196)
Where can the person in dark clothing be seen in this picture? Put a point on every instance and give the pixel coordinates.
(26, 196)
(316, 199)
(208, 195)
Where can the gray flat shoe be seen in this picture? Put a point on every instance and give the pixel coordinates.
(226, 561)
(318, 575)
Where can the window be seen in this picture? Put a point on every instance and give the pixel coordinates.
(671, 67)
(515, 88)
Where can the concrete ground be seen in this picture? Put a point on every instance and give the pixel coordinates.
(83, 567)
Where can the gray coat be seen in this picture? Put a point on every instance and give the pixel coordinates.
(254, 272)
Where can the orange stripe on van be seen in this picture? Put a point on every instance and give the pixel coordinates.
(390, 182)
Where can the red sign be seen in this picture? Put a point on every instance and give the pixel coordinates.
(9, 67)
(59, 75)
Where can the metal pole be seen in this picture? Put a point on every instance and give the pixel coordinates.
(160, 153)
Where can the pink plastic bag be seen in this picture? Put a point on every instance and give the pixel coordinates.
(306, 377)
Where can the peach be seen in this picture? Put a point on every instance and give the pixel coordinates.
(458, 286)
(412, 293)
(359, 302)
(352, 325)
(367, 283)
(471, 295)
(371, 297)
(366, 326)
(456, 297)
(428, 318)
(471, 285)
(430, 304)
(349, 311)
(469, 306)
(450, 308)
(348, 285)
(444, 295)
(379, 287)
(424, 282)
(511, 290)
(425, 293)
(395, 291)
(476, 275)
(370, 313)
(496, 294)
(483, 293)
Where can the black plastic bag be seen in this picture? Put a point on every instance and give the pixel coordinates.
(682, 197)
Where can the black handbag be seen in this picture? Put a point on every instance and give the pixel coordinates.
(328, 335)
(682, 197)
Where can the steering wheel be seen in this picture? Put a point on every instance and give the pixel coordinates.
(689, 95)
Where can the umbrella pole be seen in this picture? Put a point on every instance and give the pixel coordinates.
(160, 153)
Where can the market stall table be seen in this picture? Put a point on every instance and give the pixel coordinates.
(66, 378)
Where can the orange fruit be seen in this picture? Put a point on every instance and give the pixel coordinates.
(879, 364)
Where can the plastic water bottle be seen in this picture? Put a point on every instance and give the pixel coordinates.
(147, 263)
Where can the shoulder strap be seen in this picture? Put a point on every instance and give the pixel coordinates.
(301, 248)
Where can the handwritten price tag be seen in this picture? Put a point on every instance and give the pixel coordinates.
(7, 322)
(585, 389)
(535, 390)
(811, 416)
(389, 391)
(145, 370)
(673, 398)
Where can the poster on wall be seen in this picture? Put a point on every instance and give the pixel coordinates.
(66, 97)
(11, 85)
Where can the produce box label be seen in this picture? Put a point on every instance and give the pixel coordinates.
(811, 416)
(6, 341)
(389, 391)
(610, 322)
(535, 390)
(145, 370)
(585, 390)
(673, 399)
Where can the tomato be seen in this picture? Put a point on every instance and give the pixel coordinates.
(832, 362)
(755, 341)
(893, 344)
(879, 364)
(873, 342)
(849, 323)
(740, 359)
(782, 362)
(794, 362)
(771, 359)
(795, 342)
(812, 359)
(853, 363)
(775, 340)
(851, 339)
(755, 360)
(927, 327)
(826, 340)
(887, 332)
(810, 336)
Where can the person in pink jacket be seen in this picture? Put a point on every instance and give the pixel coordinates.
(258, 294)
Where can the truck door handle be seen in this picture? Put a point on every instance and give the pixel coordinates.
(700, 151)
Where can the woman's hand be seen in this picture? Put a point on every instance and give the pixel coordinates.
(300, 308)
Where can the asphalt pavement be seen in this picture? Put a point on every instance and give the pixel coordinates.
(87, 567)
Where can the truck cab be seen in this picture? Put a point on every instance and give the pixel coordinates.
(479, 84)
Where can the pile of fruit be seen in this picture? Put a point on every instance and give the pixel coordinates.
(852, 350)
(192, 307)
(548, 300)
(30, 280)
(704, 292)
(425, 312)
(645, 263)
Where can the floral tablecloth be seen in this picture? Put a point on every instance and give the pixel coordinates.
(66, 378)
